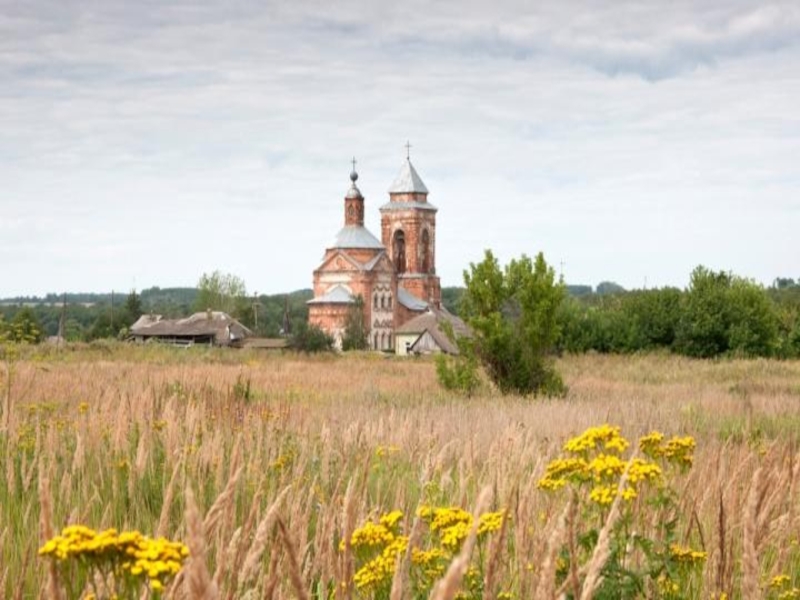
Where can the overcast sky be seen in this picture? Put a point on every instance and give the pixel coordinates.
(145, 143)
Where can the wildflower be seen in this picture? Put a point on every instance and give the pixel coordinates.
(603, 494)
(603, 437)
(129, 553)
(380, 569)
(779, 581)
(490, 522)
(650, 444)
(687, 555)
(83, 408)
(391, 519)
(561, 470)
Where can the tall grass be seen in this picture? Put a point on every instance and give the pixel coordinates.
(264, 485)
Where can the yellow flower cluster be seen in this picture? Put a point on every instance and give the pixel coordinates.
(127, 554)
(677, 450)
(432, 562)
(382, 451)
(780, 583)
(687, 555)
(381, 569)
(490, 522)
(561, 470)
(371, 535)
(451, 523)
(604, 437)
(596, 459)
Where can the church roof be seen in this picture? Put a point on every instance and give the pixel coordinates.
(408, 181)
(409, 300)
(356, 236)
(408, 206)
(338, 294)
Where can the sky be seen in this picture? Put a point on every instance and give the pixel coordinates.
(146, 143)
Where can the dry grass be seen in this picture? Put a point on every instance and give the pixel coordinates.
(301, 454)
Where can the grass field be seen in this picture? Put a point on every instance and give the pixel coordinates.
(288, 456)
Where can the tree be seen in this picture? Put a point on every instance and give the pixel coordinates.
(722, 313)
(513, 316)
(25, 327)
(355, 327)
(609, 287)
(222, 291)
(133, 306)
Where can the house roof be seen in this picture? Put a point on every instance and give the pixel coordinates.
(431, 321)
(220, 325)
(409, 300)
(338, 294)
(356, 236)
(408, 181)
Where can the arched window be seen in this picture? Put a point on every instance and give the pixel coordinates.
(375, 341)
(383, 300)
(390, 301)
(375, 300)
(399, 251)
(426, 251)
(383, 341)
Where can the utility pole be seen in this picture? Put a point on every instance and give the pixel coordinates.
(112, 312)
(62, 320)
(255, 309)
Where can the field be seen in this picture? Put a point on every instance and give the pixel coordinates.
(287, 456)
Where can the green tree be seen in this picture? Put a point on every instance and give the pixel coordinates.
(513, 316)
(133, 306)
(722, 313)
(25, 327)
(224, 292)
(355, 327)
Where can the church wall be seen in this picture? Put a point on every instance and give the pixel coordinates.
(330, 318)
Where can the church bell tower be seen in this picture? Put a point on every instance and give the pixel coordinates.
(408, 232)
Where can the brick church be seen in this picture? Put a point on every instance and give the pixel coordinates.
(395, 276)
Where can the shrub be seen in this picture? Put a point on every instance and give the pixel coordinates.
(513, 316)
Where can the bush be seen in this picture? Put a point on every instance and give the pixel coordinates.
(513, 316)
(310, 339)
(722, 313)
(458, 373)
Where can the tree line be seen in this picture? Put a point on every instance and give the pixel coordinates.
(718, 314)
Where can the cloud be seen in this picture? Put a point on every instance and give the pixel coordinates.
(200, 135)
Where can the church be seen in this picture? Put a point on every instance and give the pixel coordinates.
(395, 276)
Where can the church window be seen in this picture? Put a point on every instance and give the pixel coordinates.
(375, 300)
(383, 341)
(375, 341)
(426, 251)
(399, 251)
(389, 301)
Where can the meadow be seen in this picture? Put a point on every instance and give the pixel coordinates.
(291, 476)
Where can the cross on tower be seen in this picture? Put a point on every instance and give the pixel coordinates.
(354, 163)
(408, 150)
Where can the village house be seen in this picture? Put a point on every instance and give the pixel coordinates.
(212, 328)
(395, 276)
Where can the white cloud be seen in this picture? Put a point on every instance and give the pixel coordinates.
(157, 142)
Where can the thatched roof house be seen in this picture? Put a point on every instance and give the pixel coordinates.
(213, 328)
